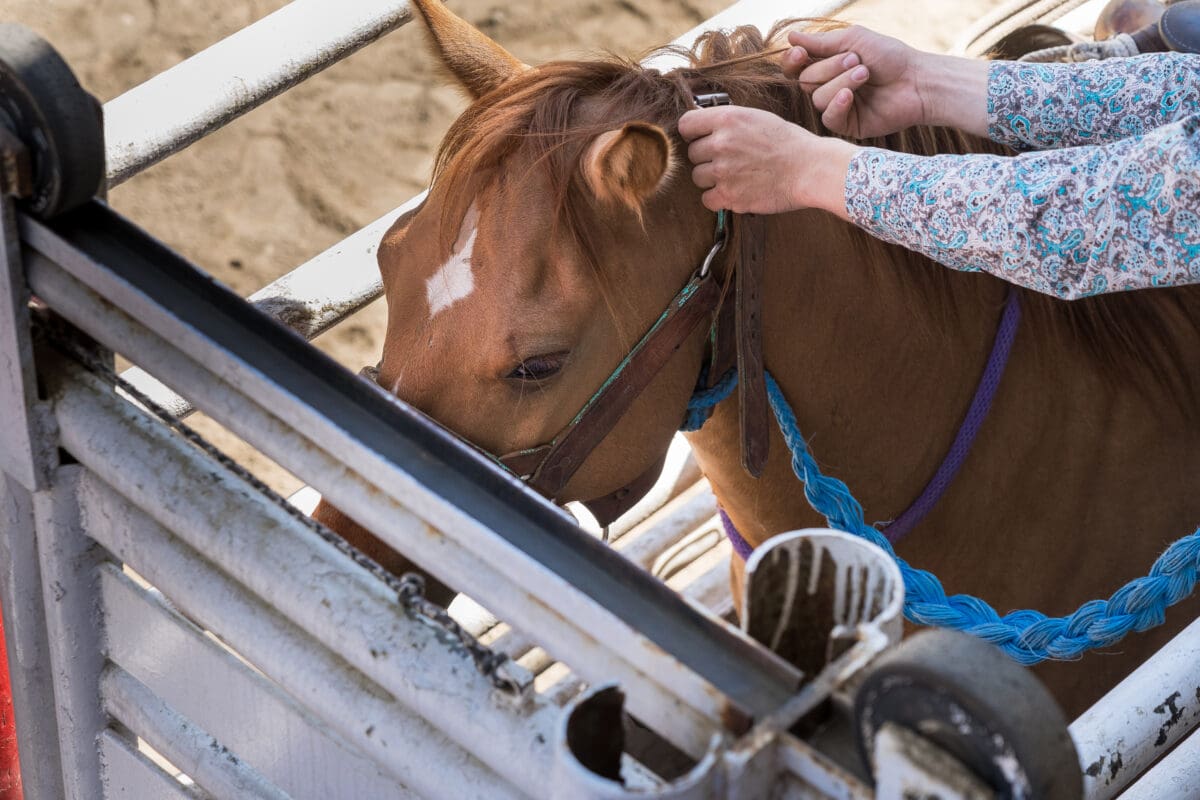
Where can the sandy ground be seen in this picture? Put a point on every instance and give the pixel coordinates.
(293, 177)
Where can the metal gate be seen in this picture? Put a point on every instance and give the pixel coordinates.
(197, 636)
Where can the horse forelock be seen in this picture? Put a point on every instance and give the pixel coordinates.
(550, 113)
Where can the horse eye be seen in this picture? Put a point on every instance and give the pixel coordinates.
(538, 368)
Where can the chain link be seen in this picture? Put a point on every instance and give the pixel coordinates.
(409, 588)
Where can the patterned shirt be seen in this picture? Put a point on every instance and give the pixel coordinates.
(1115, 205)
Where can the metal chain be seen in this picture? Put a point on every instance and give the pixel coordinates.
(409, 588)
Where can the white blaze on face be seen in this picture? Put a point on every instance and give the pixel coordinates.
(454, 281)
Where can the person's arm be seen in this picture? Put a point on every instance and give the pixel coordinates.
(1071, 222)
(866, 84)
(1039, 106)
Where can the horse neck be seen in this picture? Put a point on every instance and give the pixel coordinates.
(878, 375)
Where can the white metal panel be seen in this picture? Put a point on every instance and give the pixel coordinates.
(129, 775)
(186, 745)
(363, 715)
(240, 707)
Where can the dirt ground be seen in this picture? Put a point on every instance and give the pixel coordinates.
(295, 176)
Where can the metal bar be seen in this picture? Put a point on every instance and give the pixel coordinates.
(128, 773)
(483, 510)
(1176, 777)
(70, 593)
(28, 645)
(762, 13)
(668, 525)
(1141, 718)
(21, 452)
(201, 757)
(364, 715)
(217, 85)
(310, 299)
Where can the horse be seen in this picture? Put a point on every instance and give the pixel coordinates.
(560, 223)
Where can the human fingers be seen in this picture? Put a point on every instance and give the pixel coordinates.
(851, 79)
(823, 44)
(698, 122)
(837, 114)
(704, 176)
(793, 61)
(702, 151)
(818, 73)
(713, 200)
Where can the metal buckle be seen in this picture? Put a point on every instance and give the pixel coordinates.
(712, 99)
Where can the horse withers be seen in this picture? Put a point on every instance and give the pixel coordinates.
(561, 223)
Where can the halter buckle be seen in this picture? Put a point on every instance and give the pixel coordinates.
(712, 99)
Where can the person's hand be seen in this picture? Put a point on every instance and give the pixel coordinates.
(752, 161)
(864, 83)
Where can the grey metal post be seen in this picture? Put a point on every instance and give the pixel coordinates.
(26, 452)
(28, 647)
(71, 596)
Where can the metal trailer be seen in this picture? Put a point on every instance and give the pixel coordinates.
(198, 637)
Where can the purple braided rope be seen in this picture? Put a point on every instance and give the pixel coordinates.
(981, 403)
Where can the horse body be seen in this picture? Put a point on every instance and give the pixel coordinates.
(579, 225)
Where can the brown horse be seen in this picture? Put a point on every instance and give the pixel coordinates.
(561, 222)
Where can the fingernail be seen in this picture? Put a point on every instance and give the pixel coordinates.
(843, 97)
(850, 60)
(859, 74)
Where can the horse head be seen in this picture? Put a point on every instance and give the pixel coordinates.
(557, 230)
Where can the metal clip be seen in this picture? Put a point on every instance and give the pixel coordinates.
(719, 239)
(712, 99)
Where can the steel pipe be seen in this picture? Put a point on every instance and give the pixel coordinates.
(310, 299)
(183, 104)
(68, 558)
(1141, 718)
(1176, 777)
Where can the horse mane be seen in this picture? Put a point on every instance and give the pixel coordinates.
(553, 111)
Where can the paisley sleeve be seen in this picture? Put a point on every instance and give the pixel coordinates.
(1070, 222)
(1040, 106)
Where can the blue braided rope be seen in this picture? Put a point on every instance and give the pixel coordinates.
(703, 400)
(1028, 637)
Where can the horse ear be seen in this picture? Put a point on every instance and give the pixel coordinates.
(628, 165)
(478, 63)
